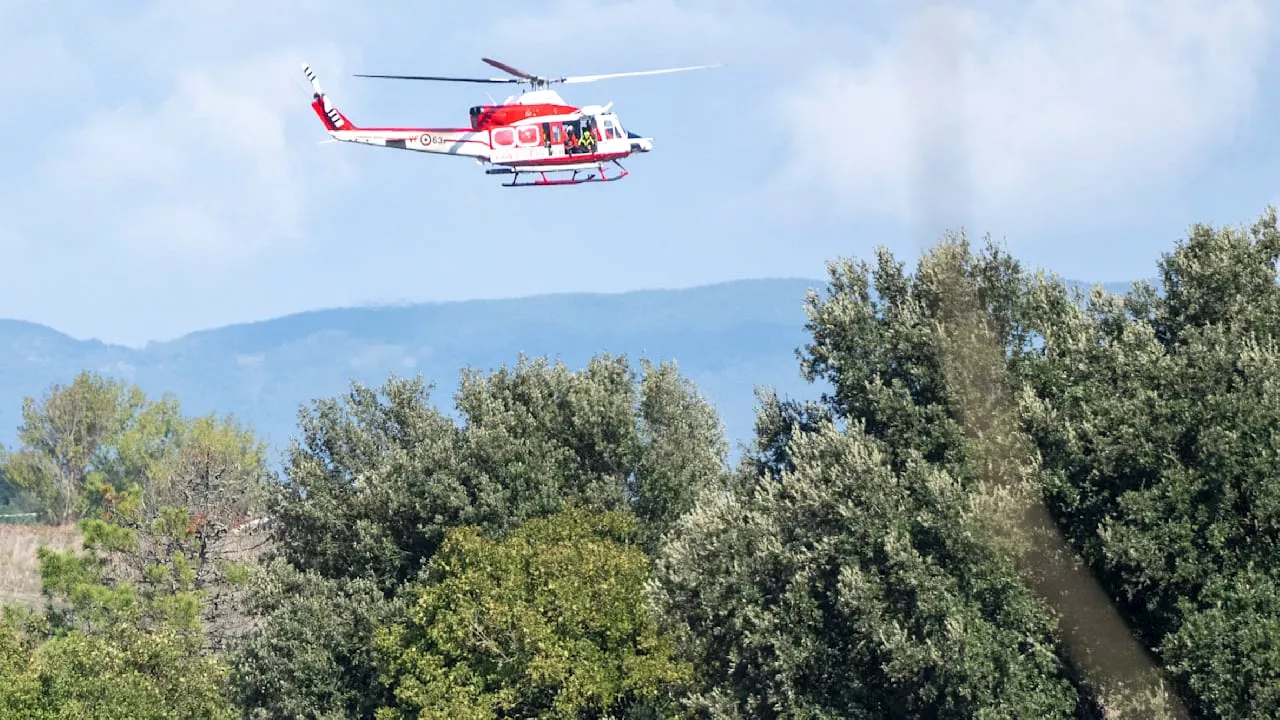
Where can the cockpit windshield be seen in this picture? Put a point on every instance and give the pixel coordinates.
(610, 127)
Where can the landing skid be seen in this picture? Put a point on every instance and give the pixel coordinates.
(596, 174)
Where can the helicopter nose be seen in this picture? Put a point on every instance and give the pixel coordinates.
(640, 144)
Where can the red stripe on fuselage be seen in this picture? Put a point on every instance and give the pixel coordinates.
(411, 135)
(422, 130)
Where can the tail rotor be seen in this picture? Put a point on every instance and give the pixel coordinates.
(333, 119)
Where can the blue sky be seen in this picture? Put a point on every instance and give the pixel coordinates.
(163, 174)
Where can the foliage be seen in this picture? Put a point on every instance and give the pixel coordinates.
(1158, 420)
(549, 621)
(314, 654)
(843, 588)
(97, 443)
(131, 616)
(573, 544)
(61, 435)
(682, 452)
(176, 559)
(14, 500)
(921, 363)
(919, 358)
(378, 478)
(116, 671)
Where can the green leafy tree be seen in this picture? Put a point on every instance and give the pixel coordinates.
(549, 621)
(371, 483)
(313, 656)
(178, 560)
(13, 498)
(61, 435)
(115, 671)
(379, 477)
(961, 348)
(132, 617)
(919, 358)
(85, 447)
(1155, 416)
(683, 451)
(841, 588)
(143, 452)
(930, 366)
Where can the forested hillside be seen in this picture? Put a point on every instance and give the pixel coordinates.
(571, 541)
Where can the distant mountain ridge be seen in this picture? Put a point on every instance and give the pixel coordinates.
(727, 338)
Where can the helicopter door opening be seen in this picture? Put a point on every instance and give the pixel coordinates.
(573, 137)
(558, 139)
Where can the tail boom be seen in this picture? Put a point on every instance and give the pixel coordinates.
(448, 141)
(440, 141)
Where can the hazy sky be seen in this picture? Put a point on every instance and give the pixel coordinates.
(162, 171)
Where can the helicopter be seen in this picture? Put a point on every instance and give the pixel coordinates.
(536, 133)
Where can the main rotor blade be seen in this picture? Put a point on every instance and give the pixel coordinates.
(442, 79)
(508, 69)
(593, 78)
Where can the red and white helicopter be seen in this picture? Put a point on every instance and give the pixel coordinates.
(534, 133)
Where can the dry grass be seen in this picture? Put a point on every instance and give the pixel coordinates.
(19, 566)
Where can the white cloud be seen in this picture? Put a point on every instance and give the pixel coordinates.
(741, 33)
(1035, 108)
(163, 156)
(183, 134)
(210, 171)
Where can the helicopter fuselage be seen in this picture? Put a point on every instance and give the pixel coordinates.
(534, 133)
(519, 133)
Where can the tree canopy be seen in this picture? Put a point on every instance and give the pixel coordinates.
(1016, 500)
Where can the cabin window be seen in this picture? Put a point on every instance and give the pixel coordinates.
(555, 134)
(504, 136)
(609, 132)
(528, 134)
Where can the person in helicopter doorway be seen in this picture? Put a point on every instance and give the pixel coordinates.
(571, 145)
(588, 140)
